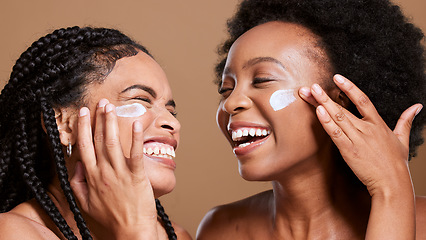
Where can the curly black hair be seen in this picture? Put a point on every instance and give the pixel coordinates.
(53, 72)
(368, 41)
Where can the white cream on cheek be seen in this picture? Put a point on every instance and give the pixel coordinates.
(130, 110)
(281, 99)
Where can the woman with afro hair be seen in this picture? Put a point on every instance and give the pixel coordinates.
(294, 77)
(58, 180)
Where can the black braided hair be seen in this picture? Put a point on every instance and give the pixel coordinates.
(165, 220)
(368, 41)
(53, 72)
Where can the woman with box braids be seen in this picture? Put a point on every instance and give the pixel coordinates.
(54, 72)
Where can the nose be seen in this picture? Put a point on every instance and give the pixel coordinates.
(236, 102)
(167, 121)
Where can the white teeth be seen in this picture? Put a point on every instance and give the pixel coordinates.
(244, 144)
(236, 135)
(162, 151)
(150, 151)
(252, 132)
(245, 133)
(239, 133)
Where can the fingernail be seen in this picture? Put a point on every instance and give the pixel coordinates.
(102, 102)
(418, 110)
(109, 108)
(340, 79)
(305, 91)
(317, 89)
(83, 111)
(137, 126)
(321, 110)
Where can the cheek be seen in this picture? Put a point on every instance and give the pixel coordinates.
(130, 110)
(281, 99)
(125, 127)
(221, 118)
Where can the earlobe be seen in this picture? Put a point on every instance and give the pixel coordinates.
(66, 119)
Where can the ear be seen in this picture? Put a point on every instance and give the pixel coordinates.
(66, 119)
(340, 97)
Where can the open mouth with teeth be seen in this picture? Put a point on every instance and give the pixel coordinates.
(157, 149)
(243, 137)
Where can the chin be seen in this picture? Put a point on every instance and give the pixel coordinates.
(163, 185)
(252, 173)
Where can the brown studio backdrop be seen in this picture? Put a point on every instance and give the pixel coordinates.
(183, 36)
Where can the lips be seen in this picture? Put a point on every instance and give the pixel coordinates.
(246, 137)
(161, 150)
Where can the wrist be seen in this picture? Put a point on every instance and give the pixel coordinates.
(395, 183)
(146, 229)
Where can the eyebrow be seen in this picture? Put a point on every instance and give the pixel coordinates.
(255, 61)
(142, 87)
(171, 103)
(151, 91)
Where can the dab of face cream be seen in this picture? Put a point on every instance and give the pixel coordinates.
(281, 99)
(130, 110)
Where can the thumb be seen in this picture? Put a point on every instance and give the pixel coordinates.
(403, 126)
(79, 184)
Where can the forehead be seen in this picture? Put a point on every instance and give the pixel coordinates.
(279, 40)
(140, 67)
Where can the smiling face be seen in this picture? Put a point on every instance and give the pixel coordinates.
(139, 89)
(270, 128)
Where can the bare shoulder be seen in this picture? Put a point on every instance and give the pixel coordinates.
(236, 220)
(25, 221)
(181, 233)
(16, 226)
(421, 217)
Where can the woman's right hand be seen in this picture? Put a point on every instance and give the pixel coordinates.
(112, 190)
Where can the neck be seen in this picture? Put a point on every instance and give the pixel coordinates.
(317, 199)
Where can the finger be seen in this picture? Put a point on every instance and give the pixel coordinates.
(403, 126)
(361, 101)
(333, 130)
(112, 139)
(136, 164)
(99, 136)
(84, 139)
(337, 113)
(305, 94)
(78, 184)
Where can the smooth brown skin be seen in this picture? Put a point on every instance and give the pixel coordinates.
(114, 182)
(311, 198)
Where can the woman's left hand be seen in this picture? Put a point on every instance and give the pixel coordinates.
(377, 155)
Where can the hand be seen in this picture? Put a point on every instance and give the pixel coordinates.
(114, 191)
(377, 155)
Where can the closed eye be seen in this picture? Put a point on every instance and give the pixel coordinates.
(224, 90)
(262, 80)
(143, 99)
(174, 113)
